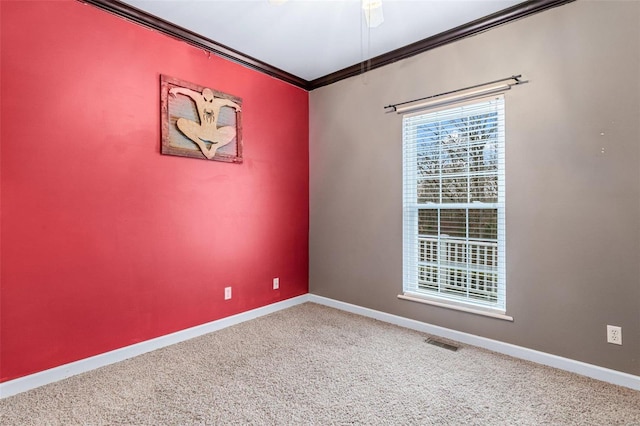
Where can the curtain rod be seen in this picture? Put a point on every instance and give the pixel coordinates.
(513, 77)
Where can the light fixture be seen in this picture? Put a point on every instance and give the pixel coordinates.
(373, 12)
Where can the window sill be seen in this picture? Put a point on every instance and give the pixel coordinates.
(476, 311)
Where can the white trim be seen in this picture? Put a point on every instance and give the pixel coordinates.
(42, 378)
(438, 261)
(55, 374)
(578, 367)
(451, 305)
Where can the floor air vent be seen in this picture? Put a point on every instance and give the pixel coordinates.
(442, 344)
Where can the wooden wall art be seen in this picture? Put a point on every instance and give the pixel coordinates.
(199, 122)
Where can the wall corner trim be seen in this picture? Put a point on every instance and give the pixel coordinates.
(589, 370)
(32, 381)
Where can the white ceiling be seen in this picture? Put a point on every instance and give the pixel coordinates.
(314, 38)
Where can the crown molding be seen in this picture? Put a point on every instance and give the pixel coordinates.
(480, 25)
(138, 16)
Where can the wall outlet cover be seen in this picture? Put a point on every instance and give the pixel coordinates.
(614, 334)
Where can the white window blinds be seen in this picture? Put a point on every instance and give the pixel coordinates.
(454, 219)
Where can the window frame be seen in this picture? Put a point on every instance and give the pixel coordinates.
(411, 211)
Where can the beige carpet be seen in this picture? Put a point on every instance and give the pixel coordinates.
(315, 365)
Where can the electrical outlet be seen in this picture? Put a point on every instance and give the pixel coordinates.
(614, 334)
(276, 283)
(227, 293)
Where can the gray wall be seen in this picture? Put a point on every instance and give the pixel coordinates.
(573, 212)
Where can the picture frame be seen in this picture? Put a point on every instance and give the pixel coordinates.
(200, 122)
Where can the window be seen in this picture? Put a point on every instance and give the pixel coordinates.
(454, 219)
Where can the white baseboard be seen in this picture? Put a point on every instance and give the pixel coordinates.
(578, 367)
(32, 381)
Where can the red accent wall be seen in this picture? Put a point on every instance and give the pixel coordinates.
(104, 241)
